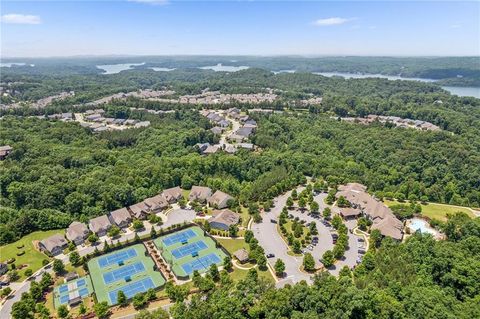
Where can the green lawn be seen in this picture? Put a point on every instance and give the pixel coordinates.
(245, 216)
(239, 274)
(436, 211)
(232, 245)
(32, 257)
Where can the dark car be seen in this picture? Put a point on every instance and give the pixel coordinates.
(361, 251)
(335, 236)
(273, 221)
(270, 255)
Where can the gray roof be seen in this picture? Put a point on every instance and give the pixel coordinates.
(120, 216)
(200, 193)
(172, 193)
(244, 131)
(139, 209)
(241, 254)
(99, 223)
(225, 216)
(219, 197)
(54, 241)
(75, 230)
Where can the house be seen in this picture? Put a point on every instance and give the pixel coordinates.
(216, 130)
(223, 219)
(200, 194)
(202, 146)
(173, 194)
(219, 199)
(241, 255)
(247, 146)
(3, 268)
(156, 203)
(100, 225)
(139, 210)
(121, 217)
(211, 149)
(244, 131)
(53, 245)
(223, 123)
(5, 150)
(77, 233)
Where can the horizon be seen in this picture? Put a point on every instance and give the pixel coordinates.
(44, 29)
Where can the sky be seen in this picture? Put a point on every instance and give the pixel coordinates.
(162, 27)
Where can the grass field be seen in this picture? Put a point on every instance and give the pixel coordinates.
(32, 257)
(437, 211)
(232, 245)
(102, 289)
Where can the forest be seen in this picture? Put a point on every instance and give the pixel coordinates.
(421, 278)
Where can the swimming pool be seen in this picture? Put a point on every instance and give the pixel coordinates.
(422, 226)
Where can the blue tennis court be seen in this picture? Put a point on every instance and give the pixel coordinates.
(64, 299)
(63, 288)
(123, 272)
(116, 258)
(132, 289)
(201, 263)
(179, 237)
(189, 249)
(81, 282)
(83, 292)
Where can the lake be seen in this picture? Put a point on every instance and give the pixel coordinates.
(162, 69)
(224, 68)
(10, 64)
(117, 68)
(456, 90)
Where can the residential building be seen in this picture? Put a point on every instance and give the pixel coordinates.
(100, 225)
(77, 233)
(139, 210)
(219, 199)
(53, 245)
(200, 194)
(121, 217)
(173, 194)
(156, 203)
(223, 219)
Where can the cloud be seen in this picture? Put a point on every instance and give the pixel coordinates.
(15, 18)
(330, 21)
(152, 2)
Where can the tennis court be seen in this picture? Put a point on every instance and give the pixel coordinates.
(189, 249)
(183, 236)
(71, 291)
(123, 273)
(201, 263)
(116, 258)
(132, 289)
(129, 269)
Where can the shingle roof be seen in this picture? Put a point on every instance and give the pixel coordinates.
(120, 216)
(51, 242)
(225, 216)
(75, 230)
(99, 223)
(200, 193)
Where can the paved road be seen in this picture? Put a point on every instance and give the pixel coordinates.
(269, 238)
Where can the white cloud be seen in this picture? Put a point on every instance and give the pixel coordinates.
(330, 21)
(153, 2)
(15, 18)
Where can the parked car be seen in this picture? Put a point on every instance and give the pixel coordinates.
(361, 240)
(273, 221)
(270, 255)
(361, 251)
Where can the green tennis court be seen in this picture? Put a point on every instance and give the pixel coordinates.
(189, 250)
(109, 276)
